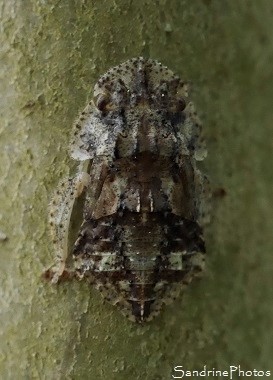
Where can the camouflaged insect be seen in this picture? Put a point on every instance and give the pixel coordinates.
(141, 238)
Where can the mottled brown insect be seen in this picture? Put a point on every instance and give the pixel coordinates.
(141, 237)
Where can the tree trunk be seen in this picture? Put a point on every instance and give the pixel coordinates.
(52, 53)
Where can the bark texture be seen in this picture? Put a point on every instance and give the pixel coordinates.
(52, 52)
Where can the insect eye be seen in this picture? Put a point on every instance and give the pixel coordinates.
(163, 94)
(181, 105)
(102, 101)
(177, 105)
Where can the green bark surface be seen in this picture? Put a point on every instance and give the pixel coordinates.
(52, 52)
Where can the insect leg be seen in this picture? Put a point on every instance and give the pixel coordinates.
(61, 208)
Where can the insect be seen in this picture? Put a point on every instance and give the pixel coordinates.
(137, 143)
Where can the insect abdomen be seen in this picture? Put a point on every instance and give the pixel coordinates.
(137, 256)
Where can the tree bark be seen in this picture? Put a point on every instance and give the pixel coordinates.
(52, 53)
